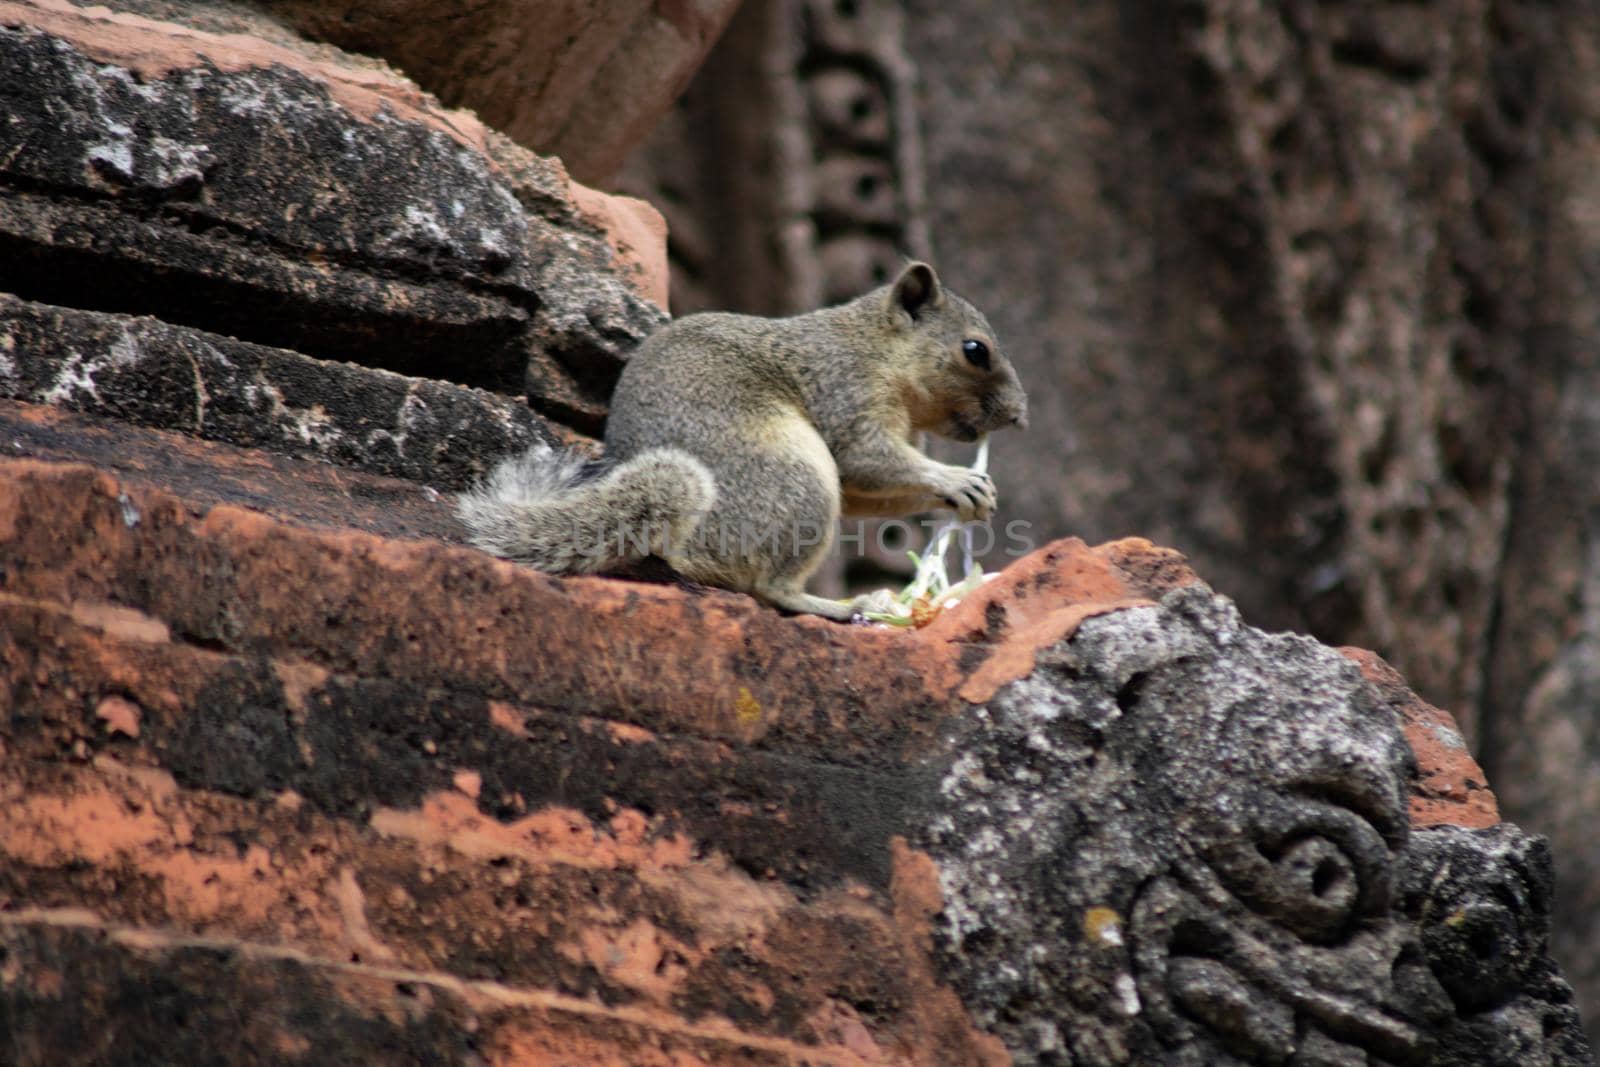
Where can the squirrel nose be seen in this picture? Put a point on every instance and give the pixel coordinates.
(1020, 419)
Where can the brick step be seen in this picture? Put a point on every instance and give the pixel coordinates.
(619, 911)
(275, 193)
(159, 997)
(435, 616)
(150, 373)
(94, 679)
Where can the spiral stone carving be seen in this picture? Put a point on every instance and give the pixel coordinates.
(1191, 838)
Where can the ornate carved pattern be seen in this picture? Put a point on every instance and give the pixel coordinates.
(815, 99)
(1189, 839)
(862, 123)
(1401, 236)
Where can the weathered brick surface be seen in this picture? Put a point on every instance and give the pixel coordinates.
(145, 371)
(292, 197)
(427, 614)
(270, 1004)
(1450, 787)
(374, 767)
(178, 759)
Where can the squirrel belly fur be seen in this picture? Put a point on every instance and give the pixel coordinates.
(735, 443)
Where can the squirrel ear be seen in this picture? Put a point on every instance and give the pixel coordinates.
(916, 290)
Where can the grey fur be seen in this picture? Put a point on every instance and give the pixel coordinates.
(537, 509)
(744, 439)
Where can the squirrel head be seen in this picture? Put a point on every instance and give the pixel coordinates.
(959, 384)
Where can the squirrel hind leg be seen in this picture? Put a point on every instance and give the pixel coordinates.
(802, 603)
(667, 490)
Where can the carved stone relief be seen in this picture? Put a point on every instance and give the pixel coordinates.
(815, 100)
(1222, 869)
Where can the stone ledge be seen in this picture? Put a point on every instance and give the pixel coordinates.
(311, 751)
(206, 474)
(149, 373)
(452, 620)
(160, 997)
(154, 49)
(238, 186)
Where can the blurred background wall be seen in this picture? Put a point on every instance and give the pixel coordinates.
(1310, 291)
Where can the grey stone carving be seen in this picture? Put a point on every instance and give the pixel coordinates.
(1185, 841)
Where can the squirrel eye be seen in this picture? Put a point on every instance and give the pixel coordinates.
(977, 353)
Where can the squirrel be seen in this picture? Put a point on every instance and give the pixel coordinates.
(735, 442)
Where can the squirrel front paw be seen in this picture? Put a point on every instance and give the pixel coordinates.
(969, 493)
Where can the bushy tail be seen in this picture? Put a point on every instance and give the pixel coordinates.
(538, 509)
